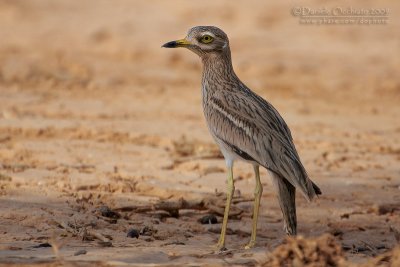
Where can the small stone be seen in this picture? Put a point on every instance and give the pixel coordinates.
(43, 245)
(104, 243)
(336, 232)
(208, 219)
(147, 231)
(187, 235)
(132, 233)
(80, 252)
(149, 239)
(107, 212)
(174, 213)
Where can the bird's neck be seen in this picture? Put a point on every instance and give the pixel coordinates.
(218, 71)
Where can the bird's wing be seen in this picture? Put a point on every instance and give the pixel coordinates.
(252, 126)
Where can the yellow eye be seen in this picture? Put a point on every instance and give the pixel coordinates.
(206, 39)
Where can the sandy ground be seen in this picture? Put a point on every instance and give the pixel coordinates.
(94, 113)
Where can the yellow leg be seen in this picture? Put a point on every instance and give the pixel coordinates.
(229, 195)
(257, 196)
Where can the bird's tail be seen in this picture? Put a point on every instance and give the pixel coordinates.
(287, 202)
(287, 199)
(310, 189)
(307, 187)
(317, 190)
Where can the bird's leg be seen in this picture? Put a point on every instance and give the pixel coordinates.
(257, 196)
(229, 195)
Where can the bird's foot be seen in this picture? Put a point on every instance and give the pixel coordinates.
(250, 245)
(220, 247)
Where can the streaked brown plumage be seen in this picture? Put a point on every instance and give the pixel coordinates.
(246, 127)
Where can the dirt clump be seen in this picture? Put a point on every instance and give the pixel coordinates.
(299, 251)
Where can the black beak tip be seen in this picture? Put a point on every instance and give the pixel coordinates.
(171, 44)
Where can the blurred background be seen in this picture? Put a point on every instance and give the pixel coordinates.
(92, 108)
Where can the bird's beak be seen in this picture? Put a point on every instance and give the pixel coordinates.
(177, 43)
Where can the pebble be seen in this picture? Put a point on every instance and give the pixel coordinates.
(132, 233)
(43, 245)
(80, 252)
(208, 219)
(147, 231)
(107, 212)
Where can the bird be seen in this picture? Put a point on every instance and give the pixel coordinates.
(248, 128)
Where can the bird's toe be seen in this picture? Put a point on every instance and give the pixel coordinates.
(250, 245)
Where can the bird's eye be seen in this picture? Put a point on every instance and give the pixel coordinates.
(206, 39)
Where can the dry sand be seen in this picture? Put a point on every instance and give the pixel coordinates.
(93, 112)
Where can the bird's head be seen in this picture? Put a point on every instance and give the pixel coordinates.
(204, 41)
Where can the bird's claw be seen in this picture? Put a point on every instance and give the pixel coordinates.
(250, 245)
(219, 247)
